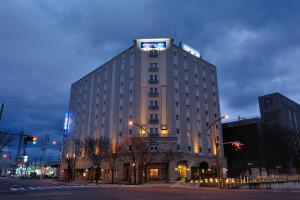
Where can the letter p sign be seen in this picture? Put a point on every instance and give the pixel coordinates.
(268, 102)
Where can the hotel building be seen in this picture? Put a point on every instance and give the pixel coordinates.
(165, 87)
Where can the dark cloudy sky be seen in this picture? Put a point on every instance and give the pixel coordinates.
(47, 45)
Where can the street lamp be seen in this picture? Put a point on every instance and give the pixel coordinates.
(216, 142)
(140, 126)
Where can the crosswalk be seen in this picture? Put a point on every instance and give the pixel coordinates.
(47, 187)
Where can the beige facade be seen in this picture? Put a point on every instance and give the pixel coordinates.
(162, 87)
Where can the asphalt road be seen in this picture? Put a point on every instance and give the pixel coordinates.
(116, 192)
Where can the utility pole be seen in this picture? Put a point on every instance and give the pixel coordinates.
(44, 148)
(2, 107)
(1, 110)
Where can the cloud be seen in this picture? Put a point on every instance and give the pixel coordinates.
(47, 45)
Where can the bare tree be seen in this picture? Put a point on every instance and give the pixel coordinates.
(138, 155)
(112, 154)
(95, 149)
(168, 156)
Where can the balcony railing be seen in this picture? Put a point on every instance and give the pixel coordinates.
(153, 94)
(153, 121)
(153, 107)
(154, 81)
(153, 69)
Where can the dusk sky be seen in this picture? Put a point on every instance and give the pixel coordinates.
(45, 46)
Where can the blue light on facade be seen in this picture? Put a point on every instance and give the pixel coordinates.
(67, 122)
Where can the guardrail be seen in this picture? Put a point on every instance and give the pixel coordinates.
(238, 182)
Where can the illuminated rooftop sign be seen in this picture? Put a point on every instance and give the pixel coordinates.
(153, 44)
(189, 49)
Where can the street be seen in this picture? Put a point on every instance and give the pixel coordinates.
(31, 190)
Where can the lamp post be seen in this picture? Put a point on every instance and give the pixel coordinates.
(216, 143)
(142, 140)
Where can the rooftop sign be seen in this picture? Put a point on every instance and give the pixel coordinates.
(189, 49)
(153, 44)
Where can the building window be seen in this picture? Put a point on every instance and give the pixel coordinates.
(204, 79)
(153, 65)
(209, 150)
(177, 104)
(205, 101)
(200, 149)
(190, 148)
(204, 90)
(177, 117)
(197, 98)
(120, 134)
(177, 131)
(153, 90)
(206, 112)
(153, 78)
(176, 78)
(154, 131)
(198, 110)
(213, 83)
(130, 132)
(199, 135)
(188, 120)
(187, 95)
(177, 146)
(153, 147)
(207, 124)
(153, 173)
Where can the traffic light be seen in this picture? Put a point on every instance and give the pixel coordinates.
(237, 145)
(34, 140)
(30, 139)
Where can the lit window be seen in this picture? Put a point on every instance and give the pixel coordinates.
(153, 173)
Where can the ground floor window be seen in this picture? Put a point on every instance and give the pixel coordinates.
(154, 173)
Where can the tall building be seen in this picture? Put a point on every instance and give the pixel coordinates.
(166, 88)
(280, 117)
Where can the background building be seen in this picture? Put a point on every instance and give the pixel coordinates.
(166, 88)
(271, 144)
(281, 121)
(248, 160)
